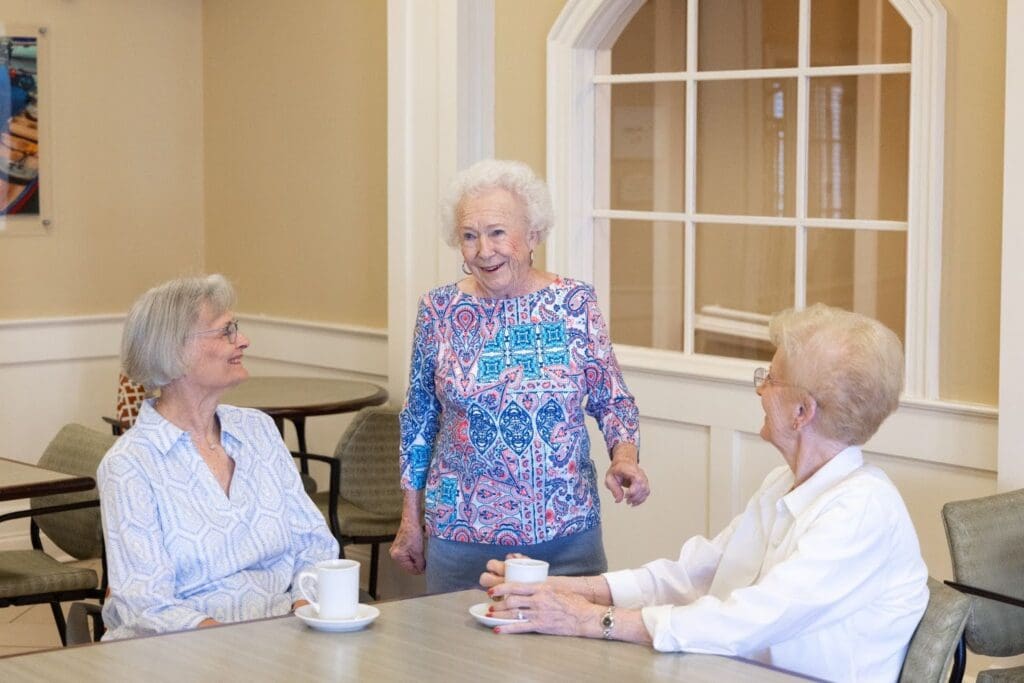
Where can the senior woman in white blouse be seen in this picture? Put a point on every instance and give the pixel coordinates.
(821, 574)
(204, 514)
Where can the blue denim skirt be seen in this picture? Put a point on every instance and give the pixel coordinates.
(454, 566)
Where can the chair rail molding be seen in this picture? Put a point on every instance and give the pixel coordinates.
(440, 120)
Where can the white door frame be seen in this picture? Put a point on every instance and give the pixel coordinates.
(440, 119)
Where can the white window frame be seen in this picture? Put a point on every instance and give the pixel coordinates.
(579, 48)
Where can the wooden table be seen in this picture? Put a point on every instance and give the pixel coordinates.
(296, 398)
(424, 639)
(21, 480)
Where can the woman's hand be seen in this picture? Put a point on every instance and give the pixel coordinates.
(625, 478)
(545, 610)
(495, 573)
(407, 548)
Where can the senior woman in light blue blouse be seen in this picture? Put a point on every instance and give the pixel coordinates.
(505, 363)
(205, 517)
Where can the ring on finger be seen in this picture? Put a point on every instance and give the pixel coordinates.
(520, 616)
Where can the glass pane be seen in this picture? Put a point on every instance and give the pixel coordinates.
(845, 32)
(648, 136)
(748, 34)
(744, 274)
(654, 40)
(647, 277)
(859, 270)
(858, 147)
(746, 147)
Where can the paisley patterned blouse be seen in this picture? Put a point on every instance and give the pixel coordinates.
(493, 421)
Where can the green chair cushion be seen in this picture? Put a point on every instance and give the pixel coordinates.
(30, 572)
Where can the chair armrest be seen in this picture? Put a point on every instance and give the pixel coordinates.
(983, 593)
(334, 487)
(49, 509)
(116, 426)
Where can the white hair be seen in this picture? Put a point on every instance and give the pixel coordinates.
(513, 176)
(851, 364)
(154, 344)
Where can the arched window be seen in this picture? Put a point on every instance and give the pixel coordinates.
(715, 161)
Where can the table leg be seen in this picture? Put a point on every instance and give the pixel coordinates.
(300, 436)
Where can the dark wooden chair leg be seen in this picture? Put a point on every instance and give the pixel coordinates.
(374, 566)
(62, 627)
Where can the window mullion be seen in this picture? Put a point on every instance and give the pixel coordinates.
(802, 134)
(690, 180)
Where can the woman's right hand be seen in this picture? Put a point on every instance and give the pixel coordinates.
(407, 548)
(495, 571)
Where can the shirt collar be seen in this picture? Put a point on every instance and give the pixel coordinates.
(231, 423)
(828, 475)
(164, 434)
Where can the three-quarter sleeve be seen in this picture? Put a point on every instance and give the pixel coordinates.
(421, 413)
(140, 572)
(608, 399)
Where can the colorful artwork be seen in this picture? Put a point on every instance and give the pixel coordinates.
(19, 137)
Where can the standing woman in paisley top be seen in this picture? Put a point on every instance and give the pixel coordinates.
(504, 364)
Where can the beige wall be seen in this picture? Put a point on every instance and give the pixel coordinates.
(973, 181)
(127, 156)
(295, 104)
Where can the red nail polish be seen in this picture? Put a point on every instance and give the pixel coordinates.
(497, 629)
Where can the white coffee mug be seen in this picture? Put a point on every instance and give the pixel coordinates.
(337, 588)
(525, 570)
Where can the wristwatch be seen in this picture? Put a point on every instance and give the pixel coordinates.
(608, 622)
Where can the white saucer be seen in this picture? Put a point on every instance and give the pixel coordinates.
(364, 615)
(479, 612)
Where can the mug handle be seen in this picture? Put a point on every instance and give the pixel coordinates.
(302, 588)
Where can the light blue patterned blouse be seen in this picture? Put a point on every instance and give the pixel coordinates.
(179, 550)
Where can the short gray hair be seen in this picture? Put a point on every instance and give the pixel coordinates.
(154, 345)
(514, 176)
(851, 364)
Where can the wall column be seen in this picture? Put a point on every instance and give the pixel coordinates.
(440, 120)
(1011, 319)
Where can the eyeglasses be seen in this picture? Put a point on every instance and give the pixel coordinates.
(763, 376)
(230, 331)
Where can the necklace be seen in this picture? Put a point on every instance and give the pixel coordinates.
(210, 443)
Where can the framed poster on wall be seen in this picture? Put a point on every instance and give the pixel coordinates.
(25, 181)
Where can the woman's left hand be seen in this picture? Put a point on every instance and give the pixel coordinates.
(545, 610)
(625, 478)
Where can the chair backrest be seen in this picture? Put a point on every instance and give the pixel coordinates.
(368, 452)
(934, 643)
(75, 450)
(986, 544)
(129, 397)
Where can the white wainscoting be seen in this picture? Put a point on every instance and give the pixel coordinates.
(701, 446)
(704, 456)
(55, 371)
